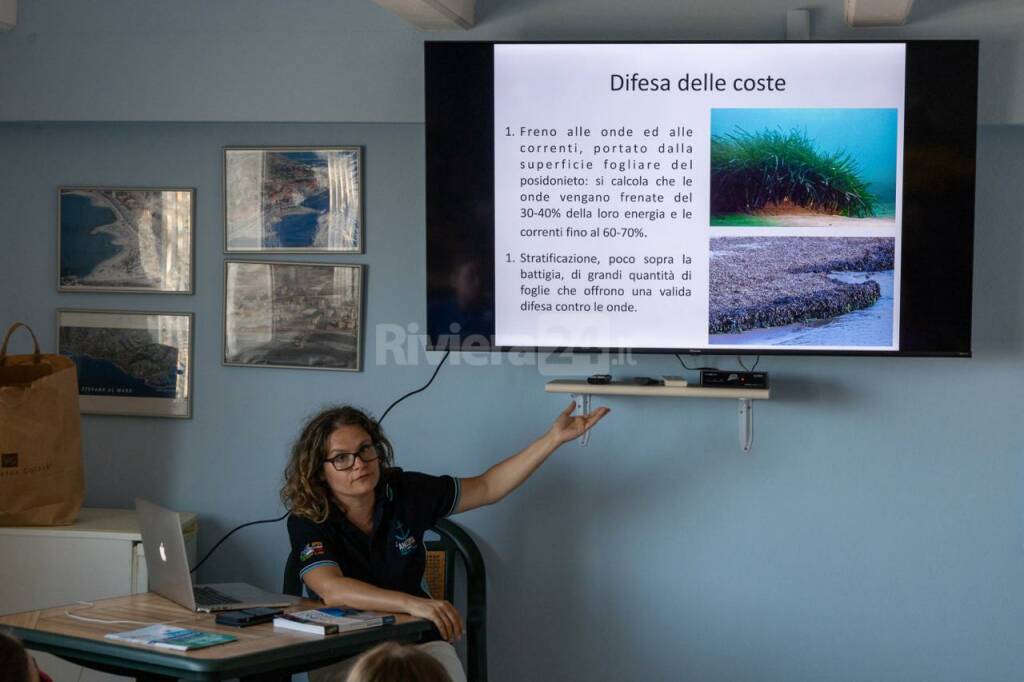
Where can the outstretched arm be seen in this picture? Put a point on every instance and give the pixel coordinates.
(509, 474)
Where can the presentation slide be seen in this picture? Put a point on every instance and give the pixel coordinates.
(686, 196)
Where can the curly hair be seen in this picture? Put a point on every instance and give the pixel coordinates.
(305, 491)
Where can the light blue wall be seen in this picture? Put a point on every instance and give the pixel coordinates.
(874, 533)
(351, 60)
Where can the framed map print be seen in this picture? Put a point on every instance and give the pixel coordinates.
(293, 199)
(125, 239)
(293, 315)
(130, 363)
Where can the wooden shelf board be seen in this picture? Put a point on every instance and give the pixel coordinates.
(624, 388)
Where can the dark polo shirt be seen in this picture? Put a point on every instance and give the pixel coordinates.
(392, 557)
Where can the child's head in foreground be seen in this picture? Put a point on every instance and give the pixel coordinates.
(391, 662)
(15, 663)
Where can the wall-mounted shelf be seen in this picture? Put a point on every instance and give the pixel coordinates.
(745, 396)
(625, 388)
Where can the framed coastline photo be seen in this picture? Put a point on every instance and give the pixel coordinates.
(293, 200)
(130, 363)
(125, 239)
(303, 315)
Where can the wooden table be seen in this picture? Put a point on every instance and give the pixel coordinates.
(261, 652)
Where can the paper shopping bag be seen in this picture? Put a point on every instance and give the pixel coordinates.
(41, 476)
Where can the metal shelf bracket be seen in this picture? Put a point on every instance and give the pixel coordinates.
(582, 408)
(746, 424)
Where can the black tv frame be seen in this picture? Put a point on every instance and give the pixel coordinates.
(939, 159)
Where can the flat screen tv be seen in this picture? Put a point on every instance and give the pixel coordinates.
(719, 198)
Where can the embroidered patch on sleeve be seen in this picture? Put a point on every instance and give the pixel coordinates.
(311, 550)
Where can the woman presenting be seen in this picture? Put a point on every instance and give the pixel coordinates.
(357, 522)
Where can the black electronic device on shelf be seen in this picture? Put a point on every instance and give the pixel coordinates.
(726, 379)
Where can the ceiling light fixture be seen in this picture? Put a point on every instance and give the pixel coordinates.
(860, 13)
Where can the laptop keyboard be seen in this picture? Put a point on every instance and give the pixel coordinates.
(207, 596)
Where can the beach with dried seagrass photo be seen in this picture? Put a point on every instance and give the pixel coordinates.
(801, 291)
(803, 167)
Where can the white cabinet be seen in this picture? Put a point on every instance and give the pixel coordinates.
(99, 556)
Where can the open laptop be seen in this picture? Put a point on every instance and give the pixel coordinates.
(169, 575)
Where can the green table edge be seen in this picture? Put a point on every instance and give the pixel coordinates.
(307, 655)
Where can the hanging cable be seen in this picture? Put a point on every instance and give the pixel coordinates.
(230, 533)
(421, 388)
(692, 369)
(757, 359)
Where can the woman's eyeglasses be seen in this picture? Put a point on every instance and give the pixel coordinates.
(346, 460)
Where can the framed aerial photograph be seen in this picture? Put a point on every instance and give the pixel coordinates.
(115, 239)
(293, 315)
(130, 363)
(293, 199)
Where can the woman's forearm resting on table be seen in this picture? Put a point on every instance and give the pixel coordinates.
(337, 590)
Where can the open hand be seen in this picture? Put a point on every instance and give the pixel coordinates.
(567, 426)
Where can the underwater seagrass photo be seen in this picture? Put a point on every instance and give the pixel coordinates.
(802, 291)
(803, 167)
